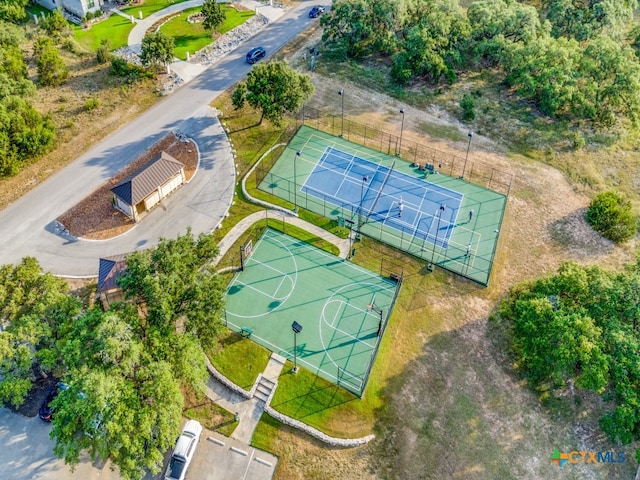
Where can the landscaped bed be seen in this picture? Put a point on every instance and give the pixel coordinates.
(95, 217)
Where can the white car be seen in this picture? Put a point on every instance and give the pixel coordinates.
(183, 453)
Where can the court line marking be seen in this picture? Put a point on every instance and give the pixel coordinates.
(382, 284)
(404, 179)
(293, 278)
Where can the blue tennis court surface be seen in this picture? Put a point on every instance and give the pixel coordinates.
(377, 193)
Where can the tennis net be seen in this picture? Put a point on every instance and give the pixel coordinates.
(384, 183)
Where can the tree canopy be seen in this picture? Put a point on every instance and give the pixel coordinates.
(572, 61)
(24, 133)
(157, 49)
(581, 326)
(610, 213)
(274, 88)
(214, 15)
(13, 11)
(33, 306)
(126, 366)
(51, 68)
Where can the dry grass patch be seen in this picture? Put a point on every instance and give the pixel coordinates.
(79, 127)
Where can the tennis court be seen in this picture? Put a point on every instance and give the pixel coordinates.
(443, 220)
(381, 194)
(342, 308)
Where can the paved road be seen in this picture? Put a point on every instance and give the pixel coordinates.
(27, 454)
(27, 225)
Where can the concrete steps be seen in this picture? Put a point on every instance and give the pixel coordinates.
(263, 389)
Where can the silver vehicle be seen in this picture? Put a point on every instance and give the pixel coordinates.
(184, 450)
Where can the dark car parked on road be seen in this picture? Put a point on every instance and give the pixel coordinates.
(46, 412)
(316, 11)
(256, 54)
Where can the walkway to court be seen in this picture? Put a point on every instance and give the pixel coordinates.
(243, 225)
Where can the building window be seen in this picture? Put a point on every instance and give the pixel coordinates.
(90, 4)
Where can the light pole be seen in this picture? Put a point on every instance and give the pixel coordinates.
(364, 180)
(401, 130)
(295, 177)
(470, 135)
(433, 252)
(350, 222)
(297, 328)
(341, 93)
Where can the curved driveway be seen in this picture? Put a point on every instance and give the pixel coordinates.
(28, 224)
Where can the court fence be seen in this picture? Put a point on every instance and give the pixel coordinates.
(472, 171)
(450, 255)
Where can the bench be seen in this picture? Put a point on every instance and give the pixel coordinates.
(394, 277)
(246, 332)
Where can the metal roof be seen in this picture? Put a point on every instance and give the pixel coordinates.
(139, 185)
(109, 270)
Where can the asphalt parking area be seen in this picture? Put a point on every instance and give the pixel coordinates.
(220, 457)
(27, 454)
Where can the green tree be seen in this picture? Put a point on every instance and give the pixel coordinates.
(497, 23)
(467, 105)
(24, 134)
(610, 214)
(610, 82)
(546, 70)
(353, 27)
(214, 15)
(157, 49)
(586, 20)
(13, 11)
(33, 306)
(581, 326)
(237, 98)
(51, 68)
(103, 54)
(126, 366)
(433, 46)
(123, 404)
(56, 25)
(275, 89)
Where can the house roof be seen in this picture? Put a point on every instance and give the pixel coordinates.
(109, 270)
(139, 185)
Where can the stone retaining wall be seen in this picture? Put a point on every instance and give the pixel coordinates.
(256, 200)
(315, 433)
(226, 382)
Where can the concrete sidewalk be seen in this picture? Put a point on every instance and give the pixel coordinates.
(243, 225)
(249, 410)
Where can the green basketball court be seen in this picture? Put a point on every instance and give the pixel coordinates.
(342, 308)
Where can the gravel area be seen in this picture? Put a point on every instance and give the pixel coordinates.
(95, 218)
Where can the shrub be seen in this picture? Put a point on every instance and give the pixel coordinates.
(610, 214)
(91, 103)
(121, 68)
(467, 105)
(103, 54)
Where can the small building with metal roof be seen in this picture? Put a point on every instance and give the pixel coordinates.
(141, 191)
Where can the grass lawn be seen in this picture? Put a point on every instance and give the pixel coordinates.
(191, 37)
(115, 29)
(244, 373)
(211, 416)
(149, 7)
(321, 404)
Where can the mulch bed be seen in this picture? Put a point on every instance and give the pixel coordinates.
(95, 217)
